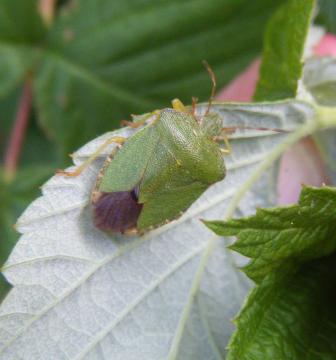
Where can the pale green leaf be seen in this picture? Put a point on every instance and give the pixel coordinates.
(319, 80)
(166, 295)
(14, 197)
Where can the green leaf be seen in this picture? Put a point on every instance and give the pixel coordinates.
(35, 142)
(289, 316)
(105, 60)
(20, 22)
(15, 62)
(291, 312)
(20, 27)
(278, 238)
(283, 48)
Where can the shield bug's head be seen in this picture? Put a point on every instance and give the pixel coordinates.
(212, 124)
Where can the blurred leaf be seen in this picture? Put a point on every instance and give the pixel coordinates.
(105, 59)
(20, 27)
(15, 62)
(285, 37)
(327, 15)
(20, 23)
(37, 149)
(280, 237)
(169, 294)
(7, 112)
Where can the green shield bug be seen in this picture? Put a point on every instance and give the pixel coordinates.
(155, 175)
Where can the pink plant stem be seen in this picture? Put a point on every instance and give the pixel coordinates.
(18, 132)
(47, 9)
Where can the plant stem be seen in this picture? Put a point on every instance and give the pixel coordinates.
(18, 132)
(326, 116)
(47, 9)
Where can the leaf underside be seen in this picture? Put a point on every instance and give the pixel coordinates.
(168, 294)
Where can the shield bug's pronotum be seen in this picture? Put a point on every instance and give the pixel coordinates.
(155, 175)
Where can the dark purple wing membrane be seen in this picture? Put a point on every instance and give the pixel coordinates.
(116, 212)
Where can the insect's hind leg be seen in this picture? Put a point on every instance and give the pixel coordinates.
(115, 139)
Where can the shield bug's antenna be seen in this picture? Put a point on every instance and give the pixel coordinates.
(230, 130)
(214, 85)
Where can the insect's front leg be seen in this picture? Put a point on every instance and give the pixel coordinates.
(115, 139)
(141, 121)
(224, 137)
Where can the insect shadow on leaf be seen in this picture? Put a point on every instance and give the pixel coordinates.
(153, 177)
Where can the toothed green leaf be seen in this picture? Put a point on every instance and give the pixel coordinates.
(277, 238)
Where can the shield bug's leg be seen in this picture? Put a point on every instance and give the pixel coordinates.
(228, 149)
(231, 130)
(141, 120)
(193, 105)
(223, 136)
(115, 139)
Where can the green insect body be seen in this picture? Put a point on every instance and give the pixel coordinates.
(166, 166)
